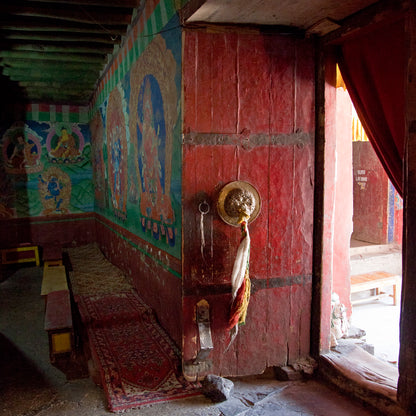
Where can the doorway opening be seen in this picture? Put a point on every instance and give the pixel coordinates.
(375, 250)
(369, 214)
(351, 363)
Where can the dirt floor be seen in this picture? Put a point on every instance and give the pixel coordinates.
(30, 385)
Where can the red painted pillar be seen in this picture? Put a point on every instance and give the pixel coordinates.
(329, 202)
(343, 199)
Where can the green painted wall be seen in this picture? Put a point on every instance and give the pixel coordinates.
(136, 134)
(45, 166)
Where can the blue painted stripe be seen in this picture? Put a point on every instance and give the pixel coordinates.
(390, 214)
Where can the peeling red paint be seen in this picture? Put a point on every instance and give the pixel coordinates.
(243, 92)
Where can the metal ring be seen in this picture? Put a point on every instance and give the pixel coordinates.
(203, 207)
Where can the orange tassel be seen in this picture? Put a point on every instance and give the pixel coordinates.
(240, 305)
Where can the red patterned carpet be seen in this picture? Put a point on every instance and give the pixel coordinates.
(138, 362)
(100, 309)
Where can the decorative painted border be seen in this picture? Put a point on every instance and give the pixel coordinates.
(161, 258)
(155, 16)
(57, 113)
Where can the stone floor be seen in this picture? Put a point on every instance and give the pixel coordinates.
(30, 386)
(380, 319)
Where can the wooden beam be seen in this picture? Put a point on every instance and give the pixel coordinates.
(28, 81)
(90, 15)
(38, 75)
(49, 65)
(53, 95)
(53, 92)
(58, 101)
(63, 57)
(68, 91)
(25, 23)
(46, 99)
(190, 8)
(82, 84)
(105, 3)
(58, 37)
(76, 85)
(384, 10)
(319, 327)
(57, 47)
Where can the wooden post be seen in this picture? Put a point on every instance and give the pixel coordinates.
(407, 360)
(318, 200)
(324, 200)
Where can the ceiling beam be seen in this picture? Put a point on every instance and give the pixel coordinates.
(41, 94)
(382, 11)
(25, 23)
(49, 65)
(89, 15)
(190, 8)
(64, 57)
(57, 37)
(76, 86)
(107, 3)
(55, 50)
(39, 75)
(73, 84)
(68, 91)
(57, 47)
(57, 99)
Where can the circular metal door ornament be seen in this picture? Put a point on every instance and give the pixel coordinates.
(238, 198)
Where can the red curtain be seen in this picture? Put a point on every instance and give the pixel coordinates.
(373, 66)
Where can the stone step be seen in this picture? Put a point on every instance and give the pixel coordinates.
(375, 249)
(367, 259)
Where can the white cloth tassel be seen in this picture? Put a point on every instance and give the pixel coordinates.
(237, 276)
(240, 265)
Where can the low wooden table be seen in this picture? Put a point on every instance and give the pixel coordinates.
(377, 281)
(21, 254)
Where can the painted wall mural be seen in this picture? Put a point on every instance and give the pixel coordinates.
(65, 146)
(154, 105)
(21, 152)
(99, 178)
(55, 191)
(45, 169)
(117, 153)
(137, 146)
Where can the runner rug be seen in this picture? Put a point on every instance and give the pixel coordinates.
(138, 363)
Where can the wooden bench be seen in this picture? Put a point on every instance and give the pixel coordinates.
(58, 323)
(54, 278)
(58, 312)
(375, 281)
(51, 253)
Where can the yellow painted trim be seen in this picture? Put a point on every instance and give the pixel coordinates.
(34, 258)
(61, 342)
